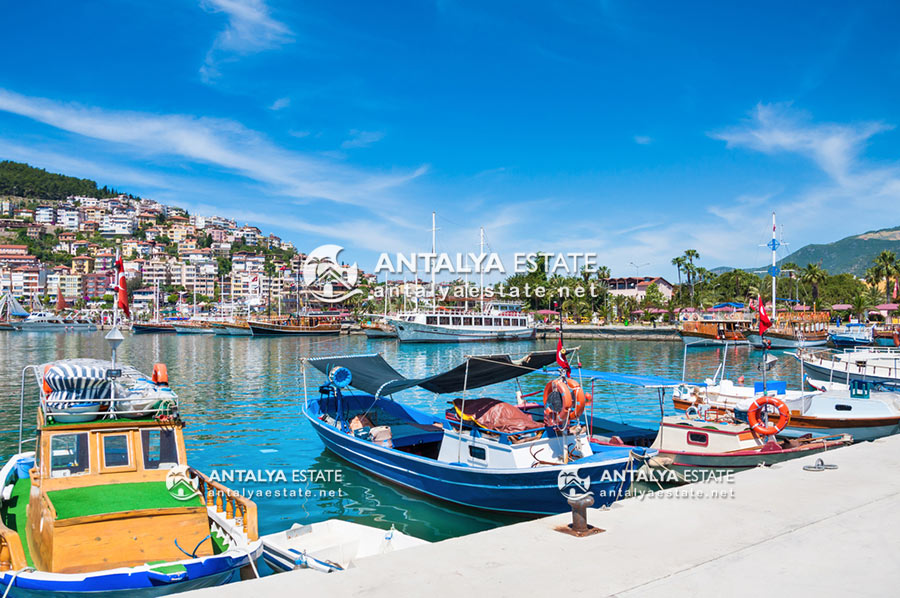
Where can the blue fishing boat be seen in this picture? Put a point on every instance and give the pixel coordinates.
(483, 452)
(852, 335)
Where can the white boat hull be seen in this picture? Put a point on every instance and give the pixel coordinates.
(413, 332)
(782, 343)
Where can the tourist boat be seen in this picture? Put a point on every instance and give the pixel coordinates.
(862, 414)
(234, 328)
(332, 545)
(887, 336)
(107, 505)
(852, 335)
(193, 327)
(499, 322)
(714, 332)
(152, 327)
(378, 330)
(302, 325)
(696, 443)
(43, 321)
(793, 331)
(879, 366)
(483, 453)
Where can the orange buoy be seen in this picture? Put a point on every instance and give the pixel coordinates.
(160, 374)
(754, 415)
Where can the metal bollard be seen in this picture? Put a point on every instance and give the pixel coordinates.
(579, 526)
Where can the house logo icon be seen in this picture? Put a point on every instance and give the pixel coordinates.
(573, 486)
(325, 277)
(180, 484)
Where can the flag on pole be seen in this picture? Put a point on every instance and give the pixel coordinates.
(121, 287)
(896, 290)
(764, 322)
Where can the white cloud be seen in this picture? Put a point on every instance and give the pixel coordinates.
(362, 138)
(250, 29)
(280, 104)
(225, 144)
(643, 140)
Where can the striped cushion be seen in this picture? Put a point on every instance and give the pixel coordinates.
(76, 386)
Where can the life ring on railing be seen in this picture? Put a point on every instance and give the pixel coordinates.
(564, 401)
(754, 416)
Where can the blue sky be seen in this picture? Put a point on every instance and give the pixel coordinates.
(634, 130)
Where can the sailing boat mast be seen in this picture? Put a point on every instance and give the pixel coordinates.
(773, 245)
(433, 260)
(481, 272)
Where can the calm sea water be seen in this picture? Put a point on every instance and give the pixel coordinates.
(241, 399)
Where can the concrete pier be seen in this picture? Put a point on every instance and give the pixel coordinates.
(661, 332)
(777, 531)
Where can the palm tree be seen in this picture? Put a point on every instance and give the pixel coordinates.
(886, 262)
(678, 262)
(814, 275)
(690, 255)
(859, 304)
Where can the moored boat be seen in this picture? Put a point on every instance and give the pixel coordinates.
(107, 504)
(233, 328)
(484, 453)
(48, 322)
(793, 331)
(193, 327)
(332, 545)
(378, 330)
(852, 335)
(714, 332)
(499, 322)
(879, 366)
(303, 325)
(152, 327)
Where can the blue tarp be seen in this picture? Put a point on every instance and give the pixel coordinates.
(631, 379)
(729, 304)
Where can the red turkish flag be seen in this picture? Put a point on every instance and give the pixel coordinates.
(121, 287)
(561, 357)
(764, 322)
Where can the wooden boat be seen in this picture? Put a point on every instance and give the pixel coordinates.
(332, 545)
(794, 330)
(484, 453)
(887, 336)
(193, 327)
(693, 445)
(304, 325)
(152, 327)
(108, 506)
(235, 328)
(378, 330)
(714, 332)
(861, 414)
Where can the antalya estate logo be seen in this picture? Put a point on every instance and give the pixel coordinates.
(326, 278)
(180, 484)
(573, 486)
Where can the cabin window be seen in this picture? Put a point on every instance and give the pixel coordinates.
(840, 407)
(506, 321)
(477, 452)
(445, 320)
(698, 438)
(160, 449)
(467, 321)
(115, 451)
(431, 320)
(457, 321)
(69, 455)
(478, 321)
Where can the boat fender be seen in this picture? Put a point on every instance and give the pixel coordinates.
(47, 389)
(755, 419)
(896, 339)
(160, 374)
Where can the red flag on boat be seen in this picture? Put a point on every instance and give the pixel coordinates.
(561, 356)
(764, 322)
(121, 287)
(896, 289)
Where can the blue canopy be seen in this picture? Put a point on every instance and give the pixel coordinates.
(729, 304)
(632, 379)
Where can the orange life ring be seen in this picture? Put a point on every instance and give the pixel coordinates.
(573, 398)
(47, 389)
(754, 415)
(896, 339)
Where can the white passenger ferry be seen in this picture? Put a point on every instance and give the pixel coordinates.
(498, 322)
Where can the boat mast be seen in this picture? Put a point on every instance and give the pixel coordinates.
(774, 245)
(481, 273)
(433, 261)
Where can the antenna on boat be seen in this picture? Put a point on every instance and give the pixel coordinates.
(433, 259)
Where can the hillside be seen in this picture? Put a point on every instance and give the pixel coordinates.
(851, 254)
(23, 180)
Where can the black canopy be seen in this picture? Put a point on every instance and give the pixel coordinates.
(372, 374)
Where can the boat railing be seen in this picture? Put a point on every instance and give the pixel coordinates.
(227, 502)
(503, 437)
(848, 366)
